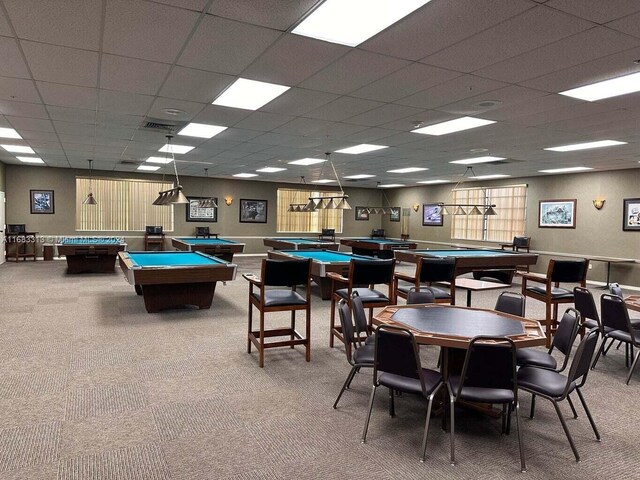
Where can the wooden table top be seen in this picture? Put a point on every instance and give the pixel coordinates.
(633, 302)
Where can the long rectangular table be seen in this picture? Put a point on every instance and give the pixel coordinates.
(498, 264)
(377, 247)
(323, 262)
(219, 247)
(91, 254)
(174, 279)
(282, 243)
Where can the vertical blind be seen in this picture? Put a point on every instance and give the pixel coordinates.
(511, 203)
(305, 222)
(123, 205)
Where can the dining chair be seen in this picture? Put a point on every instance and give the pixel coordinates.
(203, 232)
(429, 270)
(616, 290)
(511, 302)
(519, 244)
(421, 296)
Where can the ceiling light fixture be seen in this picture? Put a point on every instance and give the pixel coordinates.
(585, 146)
(433, 182)
(173, 149)
(245, 175)
(17, 149)
(161, 160)
(566, 170)
(249, 94)
(270, 170)
(390, 185)
(307, 161)
(9, 133)
(201, 130)
(408, 170)
(30, 159)
(360, 176)
(362, 148)
(451, 126)
(606, 89)
(90, 200)
(173, 195)
(475, 160)
(148, 168)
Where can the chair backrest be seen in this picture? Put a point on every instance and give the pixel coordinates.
(521, 242)
(153, 229)
(396, 352)
(285, 273)
(202, 230)
(614, 312)
(490, 363)
(512, 303)
(359, 314)
(371, 272)
(424, 295)
(377, 233)
(615, 289)
(567, 332)
(437, 269)
(585, 304)
(329, 233)
(581, 364)
(574, 271)
(16, 228)
(347, 327)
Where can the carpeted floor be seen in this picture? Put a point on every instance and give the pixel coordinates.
(93, 387)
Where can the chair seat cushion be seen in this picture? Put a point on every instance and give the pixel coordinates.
(364, 355)
(411, 385)
(480, 394)
(438, 293)
(535, 358)
(556, 293)
(277, 298)
(367, 295)
(590, 323)
(545, 382)
(370, 340)
(635, 322)
(625, 336)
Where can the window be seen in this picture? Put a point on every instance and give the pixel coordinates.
(305, 222)
(123, 205)
(510, 202)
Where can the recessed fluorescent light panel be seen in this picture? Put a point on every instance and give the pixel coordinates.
(473, 161)
(566, 170)
(457, 125)
(9, 133)
(323, 180)
(585, 146)
(354, 21)
(360, 176)
(307, 161)
(270, 169)
(489, 177)
(433, 182)
(17, 149)
(249, 94)
(30, 159)
(163, 160)
(407, 170)
(606, 89)
(362, 148)
(245, 175)
(180, 149)
(201, 130)
(148, 168)
(391, 185)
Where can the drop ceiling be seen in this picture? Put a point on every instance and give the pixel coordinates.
(80, 78)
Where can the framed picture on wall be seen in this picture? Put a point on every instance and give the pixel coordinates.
(557, 214)
(432, 215)
(42, 201)
(631, 215)
(394, 216)
(200, 214)
(253, 211)
(362, 213)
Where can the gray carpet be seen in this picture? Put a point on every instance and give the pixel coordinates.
(93, 387)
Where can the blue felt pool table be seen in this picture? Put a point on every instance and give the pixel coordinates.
(220, 247)
(377, 247)
(174, 279)
(282, 243)
(91, 254)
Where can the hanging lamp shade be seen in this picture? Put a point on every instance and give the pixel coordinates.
(310, 206)
(444, 211)
(320, 204)
(90, 200)
(460, 211)
(475, 211)
(343, 204)
(490, 211)
(290, 209)
(331, 205)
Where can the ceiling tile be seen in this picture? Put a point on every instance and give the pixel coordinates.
(298, 101)
(502, 97)
(194, 85)
(72, 128)
(629, 25)
(225, 46)
(263, 121)
(132, 75)
(343, 107)
(457, 89)
(196, 5)
(384, 114)
(217, 115)
(596, 10)
(52, 63)
(304, 126)
(277, 14)
(33, 124)
(21, 109)
(124, 102)
(11, 59)
(19, 90)
(67, 95)
(191, 109)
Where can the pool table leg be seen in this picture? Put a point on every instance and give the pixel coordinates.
(325, 286)
(176, 295)
(138, 289)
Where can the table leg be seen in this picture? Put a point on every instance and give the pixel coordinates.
(468, 297)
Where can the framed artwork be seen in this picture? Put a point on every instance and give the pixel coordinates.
(557, 214)
(200, 214)
(362, 213)
(394, 216)
(42, 201)
(253, 211)
(631, 215)
(432, 215)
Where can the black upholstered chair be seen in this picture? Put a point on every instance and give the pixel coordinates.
(397, 367)
(153, 236)
(546, 288)
(562, 341)
(364, 331)
(584, 303)
(617, 324)
(424, 295)
(519, 244)
(556, 387)
(512, 303)
(428, 271)
(489, 376)
(357, 356)
(280, 273)
(363, 276)
(378, 233)
(203, 232)
(327, 234)
(616, 290)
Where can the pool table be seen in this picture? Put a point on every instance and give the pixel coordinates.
(174, 279)
(91, 254)
(498, 264)
(218, 247)
(300, 244)
(324, 261)
(377, 247)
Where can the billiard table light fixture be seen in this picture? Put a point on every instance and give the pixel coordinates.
(90, 200)
(332, 202)
(466, 208)
(173, 195)
(209, 202)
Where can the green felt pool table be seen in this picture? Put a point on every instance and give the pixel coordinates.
(174, 279)
(282, 243)
(218, 247)
(91, 254)
(377, 247)
(498, 264)
(323, 262)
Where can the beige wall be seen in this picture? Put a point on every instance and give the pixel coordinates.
(2, 177)
(20, 179)
(597, 232)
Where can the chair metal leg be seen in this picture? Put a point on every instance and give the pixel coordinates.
(608, 348)
(566, 430)
(586, 410)
(633, 367)
(504, 418)
(366, 423)
(426, 423)
(293, 327)
(357, 369)
(601, 351)
(392, 406)
(533, 406)
(308, 335)
(508, 426)
(346, 384)
(261, 352)
(523, 466)
(452, 428)
(573, 409)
